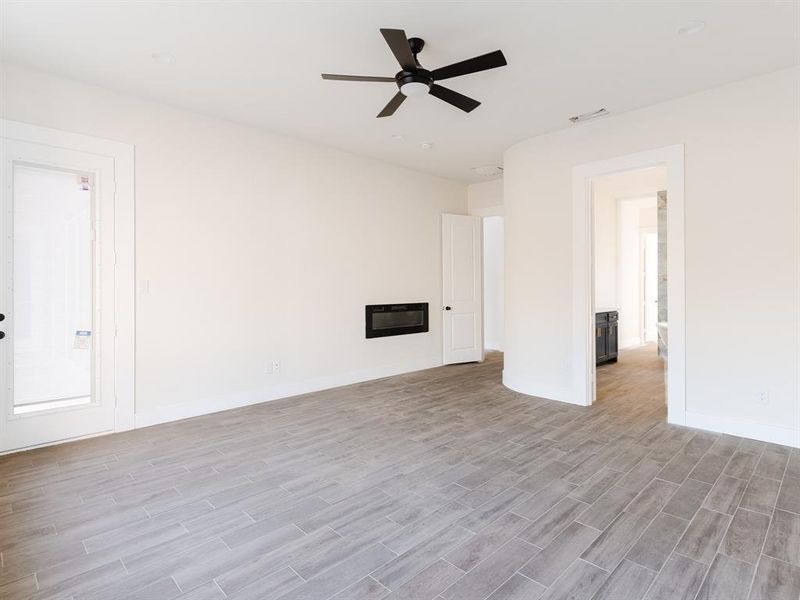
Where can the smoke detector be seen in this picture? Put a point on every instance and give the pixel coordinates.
(488, 170)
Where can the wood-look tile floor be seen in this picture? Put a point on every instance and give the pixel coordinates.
(437, 485)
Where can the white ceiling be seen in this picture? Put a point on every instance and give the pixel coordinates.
(258, 63)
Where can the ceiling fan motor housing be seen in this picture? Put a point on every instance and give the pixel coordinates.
(417, 44)
(418, 76)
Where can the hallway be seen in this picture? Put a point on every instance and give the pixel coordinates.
(637, 376)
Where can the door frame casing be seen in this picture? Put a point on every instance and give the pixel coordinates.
(122, 155)
(672, 157)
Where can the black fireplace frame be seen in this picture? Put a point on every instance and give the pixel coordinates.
(372, 332)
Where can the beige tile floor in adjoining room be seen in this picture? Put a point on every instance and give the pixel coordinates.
(436, 485)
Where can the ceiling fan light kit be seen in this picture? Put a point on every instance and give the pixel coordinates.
(413, 80)
(414, 88)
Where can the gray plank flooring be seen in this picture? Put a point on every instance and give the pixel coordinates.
(436, 485)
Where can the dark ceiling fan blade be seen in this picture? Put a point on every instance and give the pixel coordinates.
(394, 103)
(398, 44)
(471, 65)
(461, 101)
(356, 78)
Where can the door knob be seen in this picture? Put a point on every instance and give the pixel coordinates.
(447, 308)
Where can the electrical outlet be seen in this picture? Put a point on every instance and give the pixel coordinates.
(762, 398)
(272, 367)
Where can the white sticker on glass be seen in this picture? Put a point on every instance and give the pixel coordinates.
(83, 340)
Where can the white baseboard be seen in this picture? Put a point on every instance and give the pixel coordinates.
(765, 433)
(487, 345)
(186, 410)
(526, 386)
(757, 431)
(57, 442)
(176, 412)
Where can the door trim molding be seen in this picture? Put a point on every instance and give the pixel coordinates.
(124, 245)
(582, 272)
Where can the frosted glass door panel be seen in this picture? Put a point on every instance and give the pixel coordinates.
(52, 289)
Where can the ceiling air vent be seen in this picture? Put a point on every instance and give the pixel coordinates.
(588, 116)
(488, 170)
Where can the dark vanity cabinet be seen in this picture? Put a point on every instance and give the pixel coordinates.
(605, 336)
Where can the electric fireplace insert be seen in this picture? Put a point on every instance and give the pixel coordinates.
(396, 319)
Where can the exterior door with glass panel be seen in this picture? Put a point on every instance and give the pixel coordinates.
(57, 345)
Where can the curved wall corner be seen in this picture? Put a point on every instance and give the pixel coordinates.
(521, 384)
(749, 128)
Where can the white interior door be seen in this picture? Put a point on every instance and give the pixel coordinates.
(57, 266)
(462, 289)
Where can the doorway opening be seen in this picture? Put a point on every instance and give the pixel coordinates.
(493, 283)
(627, 258)
(671, 296)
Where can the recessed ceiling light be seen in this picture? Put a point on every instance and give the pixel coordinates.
(488, 170)
(426, 145)
(398, 137)
(165, 58)
(691, 28)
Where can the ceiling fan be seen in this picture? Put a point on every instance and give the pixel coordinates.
(413, 80)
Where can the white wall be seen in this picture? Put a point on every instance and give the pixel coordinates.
(648, 215)
(632, 217)
(493, 276)
(741, 195)
(605, 251)
(485, 198)
(256, 247)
